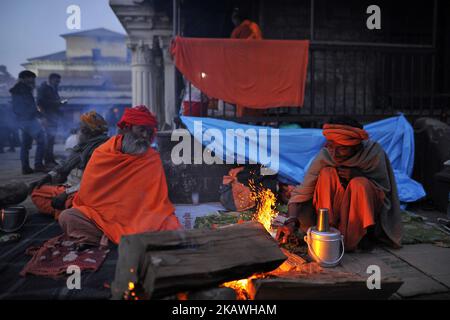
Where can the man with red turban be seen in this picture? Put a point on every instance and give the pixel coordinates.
(353, 178)
(124, 189)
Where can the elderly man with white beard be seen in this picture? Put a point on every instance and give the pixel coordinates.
(124, 189)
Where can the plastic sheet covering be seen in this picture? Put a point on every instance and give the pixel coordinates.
(298, 147)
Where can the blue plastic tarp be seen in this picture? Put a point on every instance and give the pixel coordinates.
(298, 147)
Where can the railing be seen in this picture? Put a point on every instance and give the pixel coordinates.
(367, 81)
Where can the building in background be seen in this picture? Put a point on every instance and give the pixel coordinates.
(9, 135)
(6, 82)
(95, 70)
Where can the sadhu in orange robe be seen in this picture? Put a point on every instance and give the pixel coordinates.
(247, 30)
(366, 201)
(120, 194)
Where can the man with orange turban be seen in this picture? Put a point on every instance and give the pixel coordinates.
(353, 178)
(124, 189)
(55, 191)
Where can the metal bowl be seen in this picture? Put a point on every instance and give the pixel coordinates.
(12, 218)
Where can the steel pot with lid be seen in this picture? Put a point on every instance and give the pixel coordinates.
(326, 248)
(325, 244)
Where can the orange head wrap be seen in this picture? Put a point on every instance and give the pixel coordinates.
(137, 116)
(344, 135)
(94, 121)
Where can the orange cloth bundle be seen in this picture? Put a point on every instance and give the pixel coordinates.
(242, 195)
(259, 74)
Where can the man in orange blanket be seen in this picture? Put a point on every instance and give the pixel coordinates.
(353, 178)
(123, 190)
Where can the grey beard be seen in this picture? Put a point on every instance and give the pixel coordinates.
(133, 146)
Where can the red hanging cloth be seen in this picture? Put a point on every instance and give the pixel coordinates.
(259, 74)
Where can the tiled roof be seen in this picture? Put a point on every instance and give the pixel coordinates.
(57, 56)
(61, 56)
(96, 33)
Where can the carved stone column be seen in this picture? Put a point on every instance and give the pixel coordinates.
(145, 20)
(141, 74)
(169, 83)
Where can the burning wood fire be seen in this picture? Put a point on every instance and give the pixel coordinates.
(265, 213)
(240, 287)
(265, 205)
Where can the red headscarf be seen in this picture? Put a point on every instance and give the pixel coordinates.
(137, 116)
(344, 135)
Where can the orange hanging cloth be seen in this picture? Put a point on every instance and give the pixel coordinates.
(250, 31)
(125, 194)
(257, 74)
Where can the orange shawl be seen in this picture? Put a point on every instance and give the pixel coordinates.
(125, 194)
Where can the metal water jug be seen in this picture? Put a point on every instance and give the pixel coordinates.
(325, 244)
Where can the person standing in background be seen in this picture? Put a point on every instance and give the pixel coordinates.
(49, 103)
(26, 112)
(8, 130)
(112, 118)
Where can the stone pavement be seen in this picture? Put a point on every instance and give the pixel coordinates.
(424, 268)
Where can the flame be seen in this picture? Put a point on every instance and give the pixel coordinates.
(266, 201)
(264, 214)
(182, 296)
(240, 287)
(130, 286)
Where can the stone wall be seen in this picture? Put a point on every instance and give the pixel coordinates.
(345, 20)
(184, 179)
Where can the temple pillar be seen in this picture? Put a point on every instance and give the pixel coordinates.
(169, 83)
(141, 74)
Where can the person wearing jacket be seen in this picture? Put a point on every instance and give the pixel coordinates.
(49, 102)
(26, 112)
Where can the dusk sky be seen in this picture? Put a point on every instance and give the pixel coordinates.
(31, 28)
